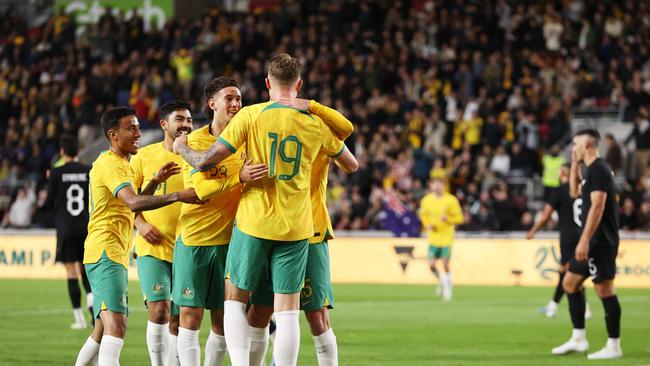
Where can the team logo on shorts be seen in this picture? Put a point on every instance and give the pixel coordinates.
(157, 287)
(123, 300)
(188, 293)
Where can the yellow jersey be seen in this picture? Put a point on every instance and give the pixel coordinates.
(288, 141)
(432, 209)
(110, 228)
(210, 223)
(342, 128)
(145, 165)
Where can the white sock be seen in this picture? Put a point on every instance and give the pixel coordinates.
(88, 353)
(89, 300)
(238, 335)
(109, 351)
(448, 280)
(614, 343)
(172, 353)
(189, 349)
(579, 334)
(287, 340)
(157, 343)
(215, 350)
(552, 304)
(327, 351)
(79, 316)
(259, 345)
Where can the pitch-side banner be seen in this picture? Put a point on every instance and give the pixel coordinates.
(386, 260)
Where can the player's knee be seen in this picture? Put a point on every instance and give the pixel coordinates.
(569, 286)
(191, 318)
(173, 324)
(318, 320)
(159, 312)
(604, 290)
(259, 316)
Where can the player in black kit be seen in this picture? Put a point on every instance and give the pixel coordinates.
(598, 246)
(568, 210)
(67, 193)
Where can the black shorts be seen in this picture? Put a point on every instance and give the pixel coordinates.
(581, 268)
(70, 248)
(602, 263)
(568, 248)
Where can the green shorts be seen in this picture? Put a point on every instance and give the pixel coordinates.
(317, 290)
(156, 280)
(250, 258)
(110, 283)
(198, 273)
(439, 252)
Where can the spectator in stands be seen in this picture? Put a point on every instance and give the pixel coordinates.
(614, 154)
(628, 216)
(21, 211)
(641, 136)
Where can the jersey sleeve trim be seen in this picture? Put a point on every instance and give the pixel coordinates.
(193, 171)
(227, 144)
(278, 105)
(339, 153)
(119, 188)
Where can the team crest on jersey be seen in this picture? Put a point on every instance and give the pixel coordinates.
(188, 293)
(157, 287)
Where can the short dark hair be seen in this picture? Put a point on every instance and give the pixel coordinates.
(593, 134)
(70, 145)
(213, 88)
(170, 107)
(284, 68)
(111, 118)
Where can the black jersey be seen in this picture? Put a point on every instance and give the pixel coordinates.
(67, 192)
(569, 211)
(600, 177)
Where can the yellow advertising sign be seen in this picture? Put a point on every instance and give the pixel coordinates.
(480, 261)
(483, 261)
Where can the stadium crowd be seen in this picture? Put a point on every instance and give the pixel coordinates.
(478, 92)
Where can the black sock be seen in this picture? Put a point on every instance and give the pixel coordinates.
(84, 279)
(75, 293)
(577, 309)
(612, 316)
(559, 289)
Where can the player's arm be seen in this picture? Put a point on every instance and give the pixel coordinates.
(165, 172)
(595, 214)
(201, 160)
(346, 161)
(455, 214)
(546, 215)
(48, 204)
(137, 203)
(208, 187)
(341, 126)
(574, 178)
(424, 215)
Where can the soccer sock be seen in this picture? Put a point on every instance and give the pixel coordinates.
(237, 332)
(259, 345)
(287, 340)
(215, 350)
(448, 279)
(75, 293)
(559, 289)
(577, 309)
(89, 304)
(189, 349)
(612, 316)
(172, 354)
(79, 316)
(109, 351)
(327, 351)
(88, 353)
(157, 342)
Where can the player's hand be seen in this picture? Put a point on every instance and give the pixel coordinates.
(574, 157)
(179, 141)
(582, 251)
(149, 232)
(188, 196)
(166, 171)
(530, 234)
(251, 172)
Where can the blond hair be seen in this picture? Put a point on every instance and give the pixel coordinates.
(284, 69)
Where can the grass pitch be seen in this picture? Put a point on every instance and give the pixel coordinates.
(374, 324)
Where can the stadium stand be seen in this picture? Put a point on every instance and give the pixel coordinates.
(430, 92)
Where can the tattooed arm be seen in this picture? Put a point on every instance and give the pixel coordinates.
(201, 160)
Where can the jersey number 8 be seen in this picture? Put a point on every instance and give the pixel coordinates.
(284, 156)
(74, 199)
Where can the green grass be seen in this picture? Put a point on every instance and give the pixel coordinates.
(375, 325)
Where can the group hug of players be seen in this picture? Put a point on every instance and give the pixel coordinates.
(231, 217)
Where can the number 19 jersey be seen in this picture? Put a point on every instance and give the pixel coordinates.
(288, 141)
